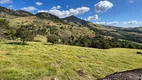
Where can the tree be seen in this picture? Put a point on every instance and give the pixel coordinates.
(10, 33)
(54, 30)
(4, 24)
(25, 34)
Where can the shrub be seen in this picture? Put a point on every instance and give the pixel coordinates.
(52, 38)
(4, 27)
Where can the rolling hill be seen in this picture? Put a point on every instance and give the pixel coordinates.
(41, 61)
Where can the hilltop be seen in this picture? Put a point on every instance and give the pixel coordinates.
(9, 13)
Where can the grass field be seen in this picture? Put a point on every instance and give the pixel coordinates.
(40, 61)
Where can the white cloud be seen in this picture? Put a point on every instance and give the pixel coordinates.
(134, 22)
(29, 8)
(112, 23)
(5, 1)
(66, 13)
(10, 7)
(130, 22)
(99, 22)
(108, 23)
(131, 1)
(56, 7)
(103, 6)
(95, 17)
(39, 3)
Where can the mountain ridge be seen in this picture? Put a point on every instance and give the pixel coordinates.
(14, 13)
(76, 20)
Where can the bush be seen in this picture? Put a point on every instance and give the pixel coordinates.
(3, 27)
(52, 38)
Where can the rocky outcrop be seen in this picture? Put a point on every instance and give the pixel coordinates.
(126, 75)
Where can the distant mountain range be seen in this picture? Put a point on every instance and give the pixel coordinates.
(19, 17)
(134, 34)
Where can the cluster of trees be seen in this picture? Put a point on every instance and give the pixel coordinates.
(98, 41)
(95, 42)
(63, 35)
(24, 32)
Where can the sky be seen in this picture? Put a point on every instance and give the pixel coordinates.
(122, 13)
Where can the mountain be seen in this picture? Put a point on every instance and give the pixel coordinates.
(20, 17)
(132, 34)
(134, 29)
(22, 13)
(76, 20)
(9, 13)
(45, 15)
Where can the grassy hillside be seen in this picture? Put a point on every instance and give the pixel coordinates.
(40, 61)
(30, 20)
(132, 34)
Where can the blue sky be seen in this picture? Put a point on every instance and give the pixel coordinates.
(123, 13)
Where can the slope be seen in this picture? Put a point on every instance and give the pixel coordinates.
(132, 34)
(9, 13)
(40, 61)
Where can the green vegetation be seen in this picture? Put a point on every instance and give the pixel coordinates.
(40, 61)
(19, 17)
(72, 35)
(52, 38)
(5, 30)
(26, 33)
